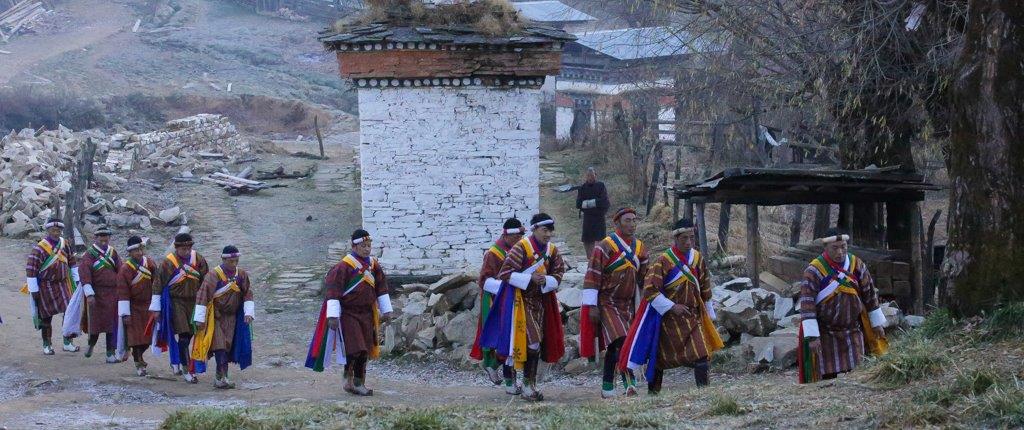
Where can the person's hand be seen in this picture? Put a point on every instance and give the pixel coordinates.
(333, 324)
(595, 316)
(385, 317)
(90, 300)
(200, 326)
(815, 345)
(681, 310)
(248, 319)
(124, 319)
(537, 278)
(880, 332)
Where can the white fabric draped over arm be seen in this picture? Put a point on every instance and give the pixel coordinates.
(384, 303)
(662, 304)
(333, 309)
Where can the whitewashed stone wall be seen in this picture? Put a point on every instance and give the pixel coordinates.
(442, 168)
(563, 122)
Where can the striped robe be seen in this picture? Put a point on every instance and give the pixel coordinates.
(680, 340)
(357, 307)
(533, 298)
(53, 288)
(839, 318)
(183, 295)
(138, 296)
(226, 306)
(489, 269)
(103, 312)
(616, 291)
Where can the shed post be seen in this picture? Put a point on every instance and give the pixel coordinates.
(916, 260)
(753, 246)
(702, 232)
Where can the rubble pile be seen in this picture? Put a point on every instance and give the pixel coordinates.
(195, 145)
(36, 171)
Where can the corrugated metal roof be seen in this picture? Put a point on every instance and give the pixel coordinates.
(645, 42)
(551, 11)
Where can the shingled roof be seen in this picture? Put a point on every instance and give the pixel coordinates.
(381, 32)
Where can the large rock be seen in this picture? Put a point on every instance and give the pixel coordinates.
(738, 284)
(439, 304)
(170, 215)
(572, 322)
(760, 348)
(764, 300)
(571, 298)
(785, 343)
(415, 304)
(18, 228)
(572, 280)
(450, 282)
(914, 321)
(455, 296)
(743, 318)
(423, 340)
(742, 298)
(461, 330)
(778, 286)
(720, 295)
(893, 315)
(578, 366)
(783, 306)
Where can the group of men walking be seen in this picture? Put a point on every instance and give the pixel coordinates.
(642, 311)
(649, 313)
(178, 305)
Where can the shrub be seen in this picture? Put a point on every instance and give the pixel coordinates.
(28, 106)
(909, 360)
(725, 405)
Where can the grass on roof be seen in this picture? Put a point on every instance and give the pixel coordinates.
(495, 18)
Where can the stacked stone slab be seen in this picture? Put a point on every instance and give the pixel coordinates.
(178, 146)
(449, 137)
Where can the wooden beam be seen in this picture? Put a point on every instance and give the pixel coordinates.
(724, 215)
(753, 246)
(916, 260)
(796, 225)
(702, 231)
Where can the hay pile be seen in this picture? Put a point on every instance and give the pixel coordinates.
(495, 18)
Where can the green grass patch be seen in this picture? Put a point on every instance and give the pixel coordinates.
(1003, 406)
(421, 420)
(1006, 322)
(910, 359)
(725, 405)
(937, 324)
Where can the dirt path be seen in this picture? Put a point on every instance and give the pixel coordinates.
(95, 20)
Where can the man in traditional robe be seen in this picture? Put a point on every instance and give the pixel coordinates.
(616, 271)
(535, 267)
(50, 278)
(181, 274)
(512, 233)
(357, 299)
(134, 289)
(98, 271)
(674, 326)
(224, 298)
(592, 202)
(839, 312)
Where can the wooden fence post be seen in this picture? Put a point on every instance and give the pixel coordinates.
(753, 246)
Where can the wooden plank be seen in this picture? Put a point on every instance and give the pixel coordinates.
(702, 231)
(753, 246)
(916, 260)
(724, 216)
(236, 179)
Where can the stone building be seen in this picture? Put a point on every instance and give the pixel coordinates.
(449, 126)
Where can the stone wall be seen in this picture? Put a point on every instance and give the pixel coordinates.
(442, 168)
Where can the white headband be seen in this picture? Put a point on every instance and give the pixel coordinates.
(516, 230)
(542, 223)
(677, 231)
(838, 237)
(360, 240)
(53, 224)
(232, 255)
(135, 246)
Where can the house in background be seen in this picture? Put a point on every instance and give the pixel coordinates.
(553, 13)
(602, 67)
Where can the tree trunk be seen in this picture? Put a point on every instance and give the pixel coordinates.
(822, 220)
(985, 260)
(724, 214)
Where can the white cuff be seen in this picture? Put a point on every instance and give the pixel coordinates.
(662, 304)
(810, 328)
(710, 305)
(492, 285)
(200, 316)
(384, 304)
(589, 204)
(333, 309)
(589, 297)
(519, 280)
(124, 308)
(88, 290)
(154, 303)
(877, 318)
(249, 308)
(33, 285)
(74, 274)
(550, 284)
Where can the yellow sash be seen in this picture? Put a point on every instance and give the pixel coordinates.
(204, 339)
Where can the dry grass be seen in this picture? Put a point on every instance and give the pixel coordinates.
(494, 18)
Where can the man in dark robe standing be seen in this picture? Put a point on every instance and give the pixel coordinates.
(98, 273)
(592, 201)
